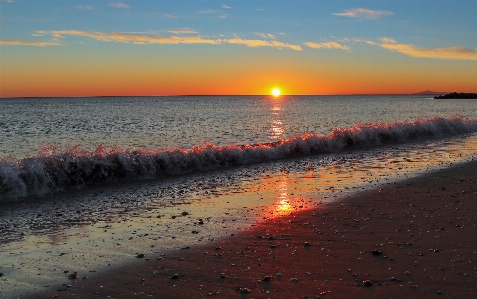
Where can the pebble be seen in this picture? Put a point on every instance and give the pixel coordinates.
(140, 256)
(266, 278)
(367, 283)
(174, 276)
(245, 290)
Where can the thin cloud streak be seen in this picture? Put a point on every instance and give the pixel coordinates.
(118, 4)
(436, 53)
(123, 37)
(387, 40)
(327, 45)
(208, 11)
(254, 43)
(221, 14)
(182, 31)
(362, 13)
(18, 42)
(265, 35)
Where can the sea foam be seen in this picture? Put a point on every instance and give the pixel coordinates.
(53, 170)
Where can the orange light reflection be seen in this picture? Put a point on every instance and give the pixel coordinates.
(276, 126)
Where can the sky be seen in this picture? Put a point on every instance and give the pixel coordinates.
(142, 48)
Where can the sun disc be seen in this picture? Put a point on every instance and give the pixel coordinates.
(276, 92)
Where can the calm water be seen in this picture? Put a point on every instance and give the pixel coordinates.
(171, 122)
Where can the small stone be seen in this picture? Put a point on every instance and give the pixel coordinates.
(185, 213)
(245, 290)
(266, 278)
(140, 256)
(307, 244)
(73, 275)
(376, 252)
(174, 276)
(367, 283)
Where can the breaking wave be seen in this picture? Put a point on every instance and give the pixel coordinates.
(53, 171)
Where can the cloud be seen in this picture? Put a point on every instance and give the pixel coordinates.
(182, 31)
(221, 14)
(265, 35)
(453, 53)
(118, 4)
(135, 38)
(168, 15)
(18, 42)
(124, 37)
(388, 40)
(208, 11)
(366, 14)
(326, 45)
(225, 6)
(9, 1)
(254, 43)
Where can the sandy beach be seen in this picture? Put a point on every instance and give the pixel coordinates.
(413, 239)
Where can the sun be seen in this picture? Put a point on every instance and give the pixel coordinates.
(276, 92)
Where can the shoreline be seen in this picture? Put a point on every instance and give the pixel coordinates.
(415, 238)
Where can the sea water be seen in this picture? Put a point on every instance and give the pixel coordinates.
(50, 144)
(103, 178)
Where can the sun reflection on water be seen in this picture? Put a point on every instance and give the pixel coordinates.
(283, 206)
(277, 129)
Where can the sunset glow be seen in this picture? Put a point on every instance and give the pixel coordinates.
(219, 49)
(276, 92)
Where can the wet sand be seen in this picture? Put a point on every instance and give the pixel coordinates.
(414, 239)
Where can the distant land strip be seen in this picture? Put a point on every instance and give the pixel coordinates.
(455, 95)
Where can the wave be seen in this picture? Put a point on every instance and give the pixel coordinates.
(53, 171)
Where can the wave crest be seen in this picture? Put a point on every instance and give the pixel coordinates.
(53, 170)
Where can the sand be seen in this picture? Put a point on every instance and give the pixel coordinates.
(413, 239)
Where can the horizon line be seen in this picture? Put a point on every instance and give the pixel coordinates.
(218, 95)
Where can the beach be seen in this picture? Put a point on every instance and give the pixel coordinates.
(411, 239)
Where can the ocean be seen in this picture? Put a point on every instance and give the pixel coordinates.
(90, 182)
